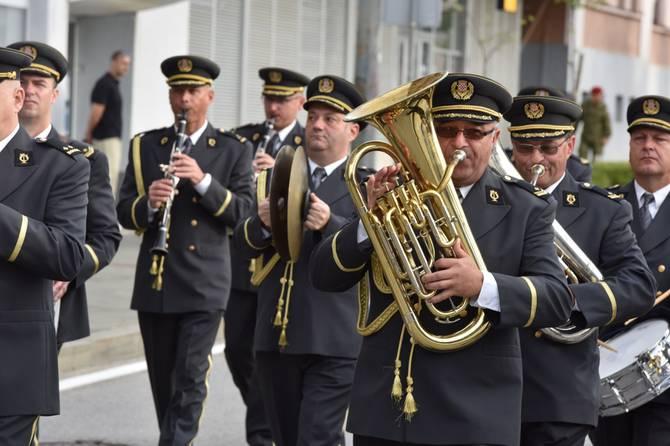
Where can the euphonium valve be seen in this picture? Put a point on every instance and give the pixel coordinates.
(419, 220)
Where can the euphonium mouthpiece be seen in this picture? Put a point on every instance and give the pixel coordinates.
(537, 170)
(458, 155)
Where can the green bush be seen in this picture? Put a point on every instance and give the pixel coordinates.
(606, 174)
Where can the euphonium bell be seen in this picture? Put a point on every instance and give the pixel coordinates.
(421, 219)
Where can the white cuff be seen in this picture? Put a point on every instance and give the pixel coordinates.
(489, 297)
(361, 233)
(203, 185)
(151, 212)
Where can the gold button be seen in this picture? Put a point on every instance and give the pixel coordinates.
(538, 334)
(191, 247)
(661, 268)
(194, 199)
(194, 222)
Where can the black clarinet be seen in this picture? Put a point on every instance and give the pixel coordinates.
(160, 248)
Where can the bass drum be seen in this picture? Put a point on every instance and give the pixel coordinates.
(638, 371)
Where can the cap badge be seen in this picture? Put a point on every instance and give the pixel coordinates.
(326, 85)
(275, 76)
(533, 110)
(462, 89)
(651, 107)
(542, 92)
(185, 65)
(29, 50)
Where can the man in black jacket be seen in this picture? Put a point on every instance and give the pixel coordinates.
(180, 296)
(561, 381)
(306, 358)
(283, 97)
(43, 226)
(40, 82)
(649, 128)
(469, 396)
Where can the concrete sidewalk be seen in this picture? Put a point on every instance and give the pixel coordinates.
(115, 337)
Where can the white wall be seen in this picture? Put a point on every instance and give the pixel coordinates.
(153, 44)
(631, 78)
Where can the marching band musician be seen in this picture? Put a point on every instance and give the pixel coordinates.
(649, 128)
(283, 98)
(471, 396)
(180, 301)
(306, 367)
(40, 82)
(43, 227)
(561, 382)
(579, 168)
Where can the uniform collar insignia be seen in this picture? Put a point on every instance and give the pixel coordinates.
(23, 158)
(494, 196)
(570, 199)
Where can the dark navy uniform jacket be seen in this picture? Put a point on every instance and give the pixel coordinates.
(473, 395)
(196, 273)
(320, 323)
(43, 225)
(102, 242)
(254, 135)
(561, 380)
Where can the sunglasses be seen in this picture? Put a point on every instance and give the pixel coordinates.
(473, 134)
(544, 148)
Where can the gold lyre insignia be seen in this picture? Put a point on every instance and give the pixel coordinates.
(24, 158)
(571, 199)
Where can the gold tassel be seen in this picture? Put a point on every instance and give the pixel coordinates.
(154, 265)
(158, 280)
(282, 339)
(396, 390)
(289, 282)
(410, 408)
(280, 302)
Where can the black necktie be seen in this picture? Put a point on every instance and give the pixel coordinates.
(645, 215)
(318, 176)
(188, 145)
(460, 195)
(273, 145)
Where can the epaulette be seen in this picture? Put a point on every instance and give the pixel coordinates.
(60, 146)
(599, 190)
(234, 135)
(613, 187)
(538, 192)
(85, 149)
(251, 131)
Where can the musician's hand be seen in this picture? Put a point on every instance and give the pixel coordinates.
(59, 289)
(159, 192)
(264, 213)
(262, 161)
(380, 183)
(187, 168)
(455, 276)
(318, 214)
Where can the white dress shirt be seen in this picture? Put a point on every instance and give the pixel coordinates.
(659, 197)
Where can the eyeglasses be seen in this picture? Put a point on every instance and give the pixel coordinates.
(545, 149)
(473, 134)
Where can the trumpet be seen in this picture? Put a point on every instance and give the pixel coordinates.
(160, 249)
(574, 261)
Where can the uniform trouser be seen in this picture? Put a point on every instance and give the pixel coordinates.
(361, 440)
(113, 148)
(238, 330)
(20, 430)
(178, 348)
(554, 434)
(306, 397)
(648, 425)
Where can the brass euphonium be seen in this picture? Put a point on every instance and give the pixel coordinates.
(420, 219)
(576, 264)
